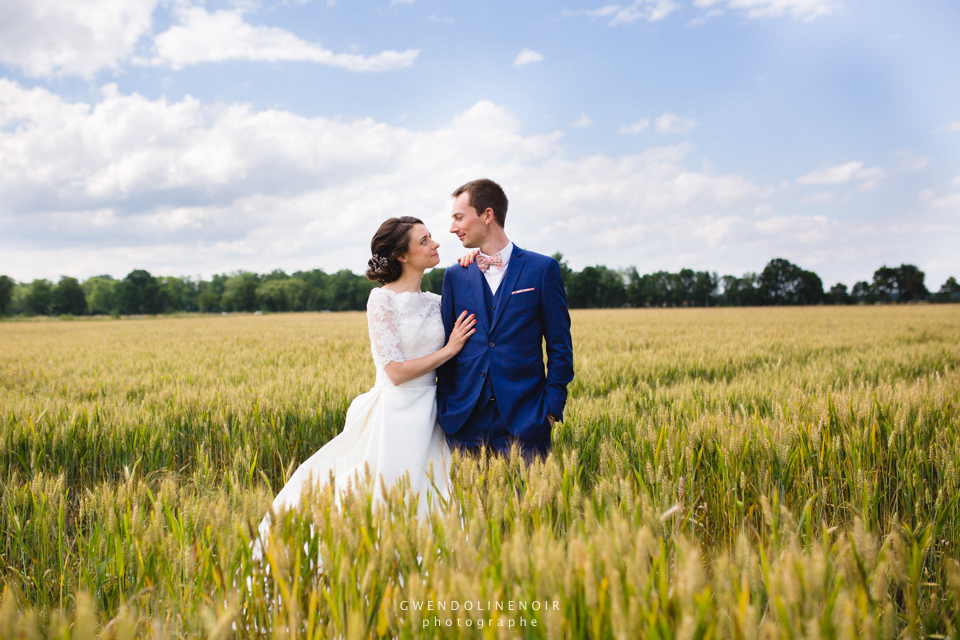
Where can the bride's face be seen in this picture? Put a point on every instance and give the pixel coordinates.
(422, 249)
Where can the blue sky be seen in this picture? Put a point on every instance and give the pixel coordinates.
(192, 138)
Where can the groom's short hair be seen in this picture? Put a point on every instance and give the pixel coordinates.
(486, 194)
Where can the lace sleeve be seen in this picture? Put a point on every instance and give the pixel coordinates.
(384, 332)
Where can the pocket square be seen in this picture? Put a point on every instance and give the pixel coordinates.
(513, 293)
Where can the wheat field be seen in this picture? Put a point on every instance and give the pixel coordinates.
(722, 473)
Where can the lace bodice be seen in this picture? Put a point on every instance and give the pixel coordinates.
(403, 326)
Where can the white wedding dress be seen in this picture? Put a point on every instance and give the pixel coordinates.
(391, 429)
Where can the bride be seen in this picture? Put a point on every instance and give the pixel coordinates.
(392, 429)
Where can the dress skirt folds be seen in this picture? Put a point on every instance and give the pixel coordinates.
(392, 430)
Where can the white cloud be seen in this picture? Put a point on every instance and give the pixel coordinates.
(223, 35)
(821, 197)
(185, 187)
(650, 10)
(838, 174)
(869, 177)
(583, 121)
(810, 230)
(910, 162)
(801, 9)
(714, 231)
(702, 20)
(81, 37)
(71, 37)
(949, 201)
(526, 57)
(954, 126)
(671, 123)
(636, 127)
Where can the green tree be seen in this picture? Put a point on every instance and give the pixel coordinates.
(634, 288)
(277, 292)
(38, 300)
(139, 293)
(276, 274)
(433, 279)
(178, 294)
(240, 292)
(209, 294)
(315, 297)
(596, 287)
(101, 292)
(783, 282)
(612, 292)
(682, 286)
(949, 292)
(885, 284)
(18, 301)
(651, 289)
(282, 294)
(68, 297)
(6, 295)
(705, 289)
(666, 289)
(740, 292)
(862, 293)
(346, 291)
(295, 291)
(838, 294)
(899, 284)
(811, 288)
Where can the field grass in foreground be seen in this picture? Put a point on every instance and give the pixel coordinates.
(731, 473)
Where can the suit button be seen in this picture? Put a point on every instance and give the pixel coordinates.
(483, 373)
(492, 345)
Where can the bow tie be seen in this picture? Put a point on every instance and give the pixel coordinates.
(485, 262)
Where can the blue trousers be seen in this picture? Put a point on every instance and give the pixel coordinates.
(484, 427)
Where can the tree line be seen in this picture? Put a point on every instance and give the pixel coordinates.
(780, 283)
(140, 292)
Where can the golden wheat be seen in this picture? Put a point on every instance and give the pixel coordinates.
(750, 473)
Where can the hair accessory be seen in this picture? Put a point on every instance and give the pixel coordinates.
(378, 263)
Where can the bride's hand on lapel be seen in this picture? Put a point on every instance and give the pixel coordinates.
(467, 259)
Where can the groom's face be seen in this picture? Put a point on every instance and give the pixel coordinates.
(472, 229)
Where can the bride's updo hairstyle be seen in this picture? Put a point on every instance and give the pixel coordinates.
(389, 243)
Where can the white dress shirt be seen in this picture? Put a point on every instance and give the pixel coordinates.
(493, 274)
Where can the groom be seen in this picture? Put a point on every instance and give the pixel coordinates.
(494, 393)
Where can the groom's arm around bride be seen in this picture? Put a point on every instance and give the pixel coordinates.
(495, 392)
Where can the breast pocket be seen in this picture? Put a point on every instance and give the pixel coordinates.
(522, 298)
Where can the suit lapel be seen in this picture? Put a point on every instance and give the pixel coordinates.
(475, 279)
(506, 285)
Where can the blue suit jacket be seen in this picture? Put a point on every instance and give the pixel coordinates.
(508, 346)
